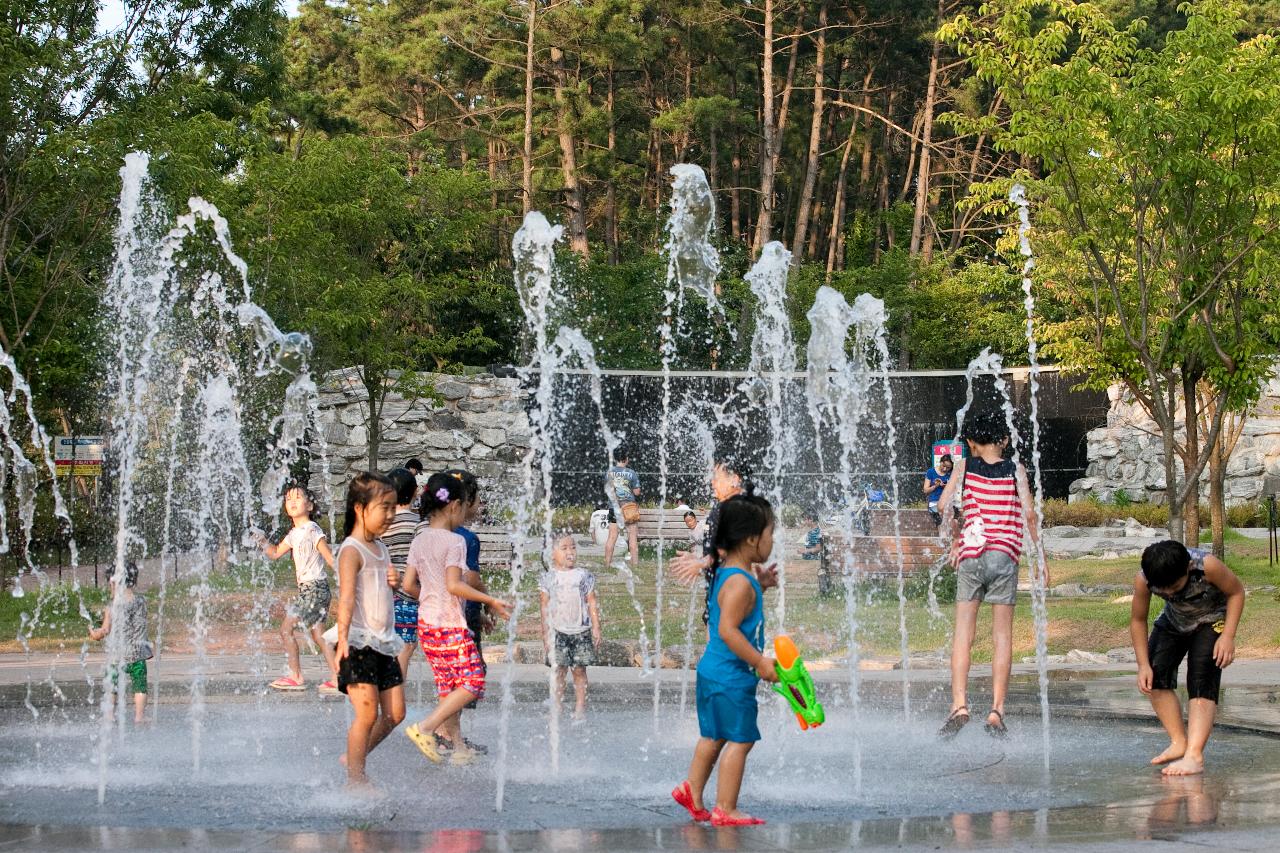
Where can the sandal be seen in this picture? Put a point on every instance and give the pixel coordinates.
(286, 682)
(719, 817)
(998, 729)
(958, 719)
(427, 743)
(683, 794)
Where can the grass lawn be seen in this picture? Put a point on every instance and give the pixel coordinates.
(819, 625)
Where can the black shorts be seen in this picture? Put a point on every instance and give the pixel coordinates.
(1166, 650)
(574, 649)
(366, 666)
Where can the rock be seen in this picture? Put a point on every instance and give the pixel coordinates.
(493, 437)
(440, 440)
(452, 390)
(1135, 529)
(1124, 599)
(529, 651)
(1106, 449)
(1065, 531)
(614, 653)
(477, 405)
(1067, 590)
(446, 420)
(1110, 555)
(351, 416)
(1081, 656)
(1124, 654)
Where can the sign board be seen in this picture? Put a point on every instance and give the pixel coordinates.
(78, 456)
(942, 448)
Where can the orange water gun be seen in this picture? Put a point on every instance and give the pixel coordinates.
(795, 684)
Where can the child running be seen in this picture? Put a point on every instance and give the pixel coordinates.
(1203, 602)
(368, 671)
(570, 621)
(134, 648)
(996, 502)
(398, 538)
(306, 542)
(437, 561)
(733, 662)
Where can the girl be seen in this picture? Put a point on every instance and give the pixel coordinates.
(367, 642)
(437, 560)
(306, 541)
(733, 662)
(398, 538)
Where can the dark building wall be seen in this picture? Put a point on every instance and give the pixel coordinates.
(924, 409)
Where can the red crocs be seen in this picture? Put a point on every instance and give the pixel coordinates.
(683, 794)
(721, 818)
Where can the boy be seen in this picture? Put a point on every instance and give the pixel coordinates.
(996, 502)
(813, 539)
(570, 621)
(622, 487)
(1203, 602)
(134, 649)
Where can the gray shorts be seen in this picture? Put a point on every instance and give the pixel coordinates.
(990, 577)
(311, 606)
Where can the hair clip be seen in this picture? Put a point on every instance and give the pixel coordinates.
(455, 475)
(442, 495)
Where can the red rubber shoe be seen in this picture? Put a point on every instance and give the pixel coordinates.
(720, 818)
(683, 794)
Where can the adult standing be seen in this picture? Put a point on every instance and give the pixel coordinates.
(622, 488)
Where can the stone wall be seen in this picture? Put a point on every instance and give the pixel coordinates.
(1128, 453)
(478, 423)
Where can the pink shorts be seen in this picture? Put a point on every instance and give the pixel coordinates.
(454, 658)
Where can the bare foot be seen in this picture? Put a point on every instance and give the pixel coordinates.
(1173, 753)
(1185, 766)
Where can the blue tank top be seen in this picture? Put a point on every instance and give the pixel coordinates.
(718, 662)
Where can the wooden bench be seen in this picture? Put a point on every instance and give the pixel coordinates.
(874, 558)
(665, 523)
(495, 545)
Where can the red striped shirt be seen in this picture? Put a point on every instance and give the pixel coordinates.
(992, 509)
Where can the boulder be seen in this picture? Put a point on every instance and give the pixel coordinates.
(1124, 654)
(451, 390)
(1081, 656)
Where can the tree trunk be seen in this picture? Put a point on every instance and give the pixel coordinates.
(922, 244)
(815, 143)
(575, 209)
(764, 216)
(1217, 499)
(834, 242)
(611, 193)
(1191, 502)
(526, 184)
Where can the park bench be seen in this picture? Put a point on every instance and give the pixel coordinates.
(495, 546)
(876, 557)
(665, 523)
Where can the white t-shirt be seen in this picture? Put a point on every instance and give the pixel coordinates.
(567, 592)
(308, 564)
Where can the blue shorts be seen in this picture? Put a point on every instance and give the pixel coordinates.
(727, 711)
(407, 619)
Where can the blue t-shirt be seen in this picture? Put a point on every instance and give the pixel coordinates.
(621, 483)
(931, 475)
(718, 662)
(471, 608)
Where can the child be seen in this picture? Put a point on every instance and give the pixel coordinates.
(310, 609)
(733, 662)
(398, 538)
(570, 621)
(621, 488)
(435, 573)
(368, 671)
(478, 621)
(813, 539)
(997, 508)
(134, 649)
(1203, 602)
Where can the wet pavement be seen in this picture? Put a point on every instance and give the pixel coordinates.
(268, 779)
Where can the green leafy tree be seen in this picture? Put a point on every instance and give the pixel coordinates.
(389, 272)
(1156, 173)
